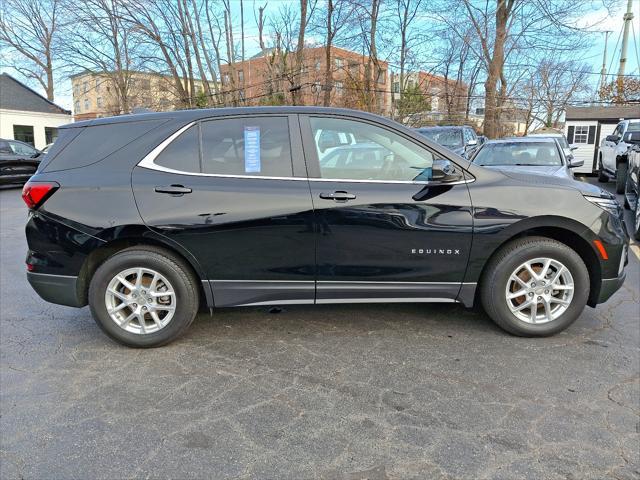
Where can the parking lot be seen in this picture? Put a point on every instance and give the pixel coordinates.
(335, 392)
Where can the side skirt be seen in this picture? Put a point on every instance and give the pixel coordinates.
(236, 293)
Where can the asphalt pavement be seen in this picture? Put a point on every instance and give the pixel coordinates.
(330, 392)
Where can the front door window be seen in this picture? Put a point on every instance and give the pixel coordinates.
(372, 153)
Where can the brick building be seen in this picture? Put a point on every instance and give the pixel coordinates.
(267, 78)
(446, 97)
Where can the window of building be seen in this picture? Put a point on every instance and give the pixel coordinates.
(380, 154)
(163, 85)
(50, 134)
(382, 77)
(225, 79)
(338, 62)
(85, 87)
(145, 84)
(76, 90)
(339, 87)
(396, 87)
(24, 133)
(87, 104)
(240, 76)
(99, 102)
(247, 146)
(581, 134)
(76, 106)
(318, 65)
(183, 153)
(97, 85)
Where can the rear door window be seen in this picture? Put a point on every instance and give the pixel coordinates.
(182, 153)
(246, 146)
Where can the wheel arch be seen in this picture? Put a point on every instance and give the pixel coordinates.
(97, 256)
(564, 231)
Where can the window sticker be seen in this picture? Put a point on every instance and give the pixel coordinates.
(252, 150)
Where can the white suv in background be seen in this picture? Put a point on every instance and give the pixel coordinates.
(612, 161)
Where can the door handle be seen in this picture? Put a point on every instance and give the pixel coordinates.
(177, 190)
(338, 196)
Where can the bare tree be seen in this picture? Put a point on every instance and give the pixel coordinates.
(405, 13)
(30, 28)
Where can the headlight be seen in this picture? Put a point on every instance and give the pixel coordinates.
(610, 205)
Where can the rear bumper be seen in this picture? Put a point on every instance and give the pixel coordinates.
(60, 289)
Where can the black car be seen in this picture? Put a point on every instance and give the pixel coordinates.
(632, 182)
(18, 161)
(459, 139)
(537, 155)
(149, 217)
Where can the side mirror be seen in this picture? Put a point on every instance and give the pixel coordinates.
(481, 139)
(573, 147)
(444, 171)
(611, 138)
(574, 162)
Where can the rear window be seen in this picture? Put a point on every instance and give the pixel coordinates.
(94, 143)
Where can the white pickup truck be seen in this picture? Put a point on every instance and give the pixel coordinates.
(612, 161)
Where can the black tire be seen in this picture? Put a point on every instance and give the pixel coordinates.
(602, 176)
(503, 264)
(621, 177)
(627, 205)
(173, 269)
(636, 220)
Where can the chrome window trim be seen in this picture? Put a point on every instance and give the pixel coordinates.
(148, 162)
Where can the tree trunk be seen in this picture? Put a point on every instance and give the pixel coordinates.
(327, 56)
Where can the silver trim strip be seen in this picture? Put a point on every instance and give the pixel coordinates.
(148, 162)
(52, 275)
(348, 282)
(386, 300)
(278, 302)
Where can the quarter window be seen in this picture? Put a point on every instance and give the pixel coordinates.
(182, 153)
(581, 134)
(373, 153)
(247, 146)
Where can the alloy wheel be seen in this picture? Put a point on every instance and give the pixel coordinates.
(539, 290)
(140, 300)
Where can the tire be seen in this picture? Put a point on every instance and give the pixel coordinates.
(636, 222)
(174, 313)
(508, 260)
(621, 177)
(602, 176)
(627, 190)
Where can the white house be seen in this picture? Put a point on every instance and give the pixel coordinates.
(26, 115)
(586, 126)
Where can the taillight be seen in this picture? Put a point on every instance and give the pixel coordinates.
(35, 193)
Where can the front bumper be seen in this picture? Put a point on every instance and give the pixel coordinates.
(60, 289)
(610, 286)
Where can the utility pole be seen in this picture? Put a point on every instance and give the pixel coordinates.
(623, 50)
(603, 72)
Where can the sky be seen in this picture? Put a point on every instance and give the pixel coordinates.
(597, 20)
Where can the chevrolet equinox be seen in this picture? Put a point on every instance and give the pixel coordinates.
(147, 218)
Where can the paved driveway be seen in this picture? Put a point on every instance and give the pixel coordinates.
(335, 392)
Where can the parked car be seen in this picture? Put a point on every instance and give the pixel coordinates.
(18, 161)
(560, 138)
(459, 139)
(611, 157)
(538, 155)
(632, 184)
(144, 217)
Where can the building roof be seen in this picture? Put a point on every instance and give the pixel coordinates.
(15, 95)
(614, 112)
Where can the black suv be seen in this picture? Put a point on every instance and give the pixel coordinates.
(149, 217)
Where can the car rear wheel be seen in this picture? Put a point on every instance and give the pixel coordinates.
(143, 297)
(621, 177)
(636, 223)
(602, 176)
(535, 286)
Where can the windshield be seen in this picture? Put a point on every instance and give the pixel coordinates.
(519, 153)
(450, 138)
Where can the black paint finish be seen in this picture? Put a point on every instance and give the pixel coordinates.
(277, 240)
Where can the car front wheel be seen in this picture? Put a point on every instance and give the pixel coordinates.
(621, 177)
(636, 223)
(143, 297)
(535, 286)
(602, 176)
